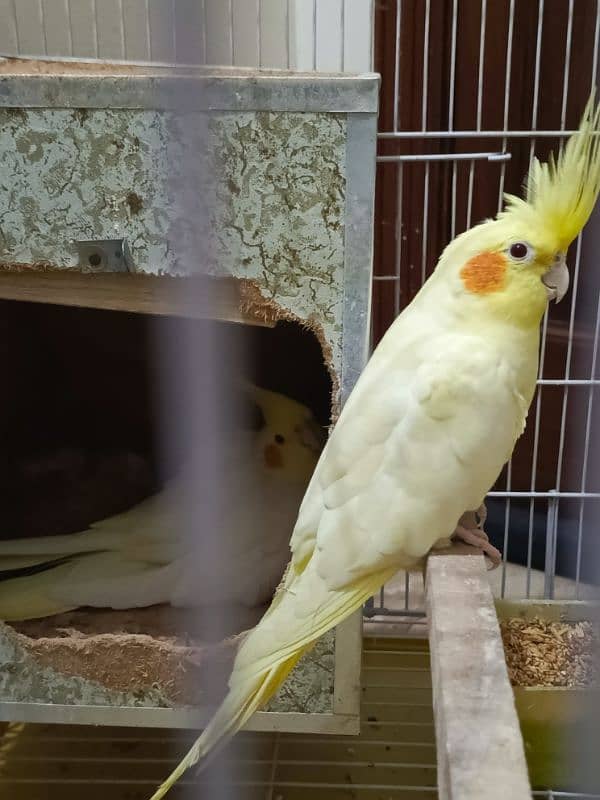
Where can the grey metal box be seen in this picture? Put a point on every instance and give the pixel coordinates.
(279, 215)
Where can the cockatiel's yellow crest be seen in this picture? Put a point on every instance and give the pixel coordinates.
(561, 194)
(427, 429)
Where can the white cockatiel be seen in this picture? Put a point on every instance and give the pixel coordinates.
(149, 555)
(427, 429)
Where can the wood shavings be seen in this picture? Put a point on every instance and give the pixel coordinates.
(550, 653)
(135, 650)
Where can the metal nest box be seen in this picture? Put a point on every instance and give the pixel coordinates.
(107, 209)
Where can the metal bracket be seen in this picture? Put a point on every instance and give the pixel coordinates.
(104, 255)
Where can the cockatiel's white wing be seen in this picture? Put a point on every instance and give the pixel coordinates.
(251, 549)
(403, 464)
(125, 561)
(149, 555)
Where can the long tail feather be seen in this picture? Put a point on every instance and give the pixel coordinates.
(236, 710)
(43, 546)
(31, 596)
(301, 612)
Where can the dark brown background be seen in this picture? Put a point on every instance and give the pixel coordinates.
(486, 175)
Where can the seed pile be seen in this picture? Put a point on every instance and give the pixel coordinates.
(543, 653)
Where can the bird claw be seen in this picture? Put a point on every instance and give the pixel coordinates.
(470, 530)
(473, 520)
(481, 515)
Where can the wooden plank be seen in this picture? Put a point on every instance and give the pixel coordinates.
(479, 743)
(388, 678)
(350, 772)
(557, 610)
(146, 294)
(396, 694)
(348, 657)
(396, 659)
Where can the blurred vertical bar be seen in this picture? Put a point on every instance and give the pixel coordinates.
(195, 409)
(582, 745)
(424, 106)
(505, 118)
(538, 399)
(451, 93)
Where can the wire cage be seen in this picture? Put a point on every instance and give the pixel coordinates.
(469, 97)
(472, 91)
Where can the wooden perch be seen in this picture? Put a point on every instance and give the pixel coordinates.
(479, 744)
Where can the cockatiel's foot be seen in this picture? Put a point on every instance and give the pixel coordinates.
(474, 520)
(470, 530)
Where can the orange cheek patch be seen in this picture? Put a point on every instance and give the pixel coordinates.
(484, 273)
(273, 456)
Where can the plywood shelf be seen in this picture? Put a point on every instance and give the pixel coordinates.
(197, 297)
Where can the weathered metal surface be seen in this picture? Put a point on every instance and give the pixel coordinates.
(310, 687)
(267, 189)
(281, 208)
(24, 680)
(80, 84)
(361, 138)
(110, 255)
(265, 177)
(79, 175)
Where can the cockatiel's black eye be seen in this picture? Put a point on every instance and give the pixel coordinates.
(519, 251)
(279, 438)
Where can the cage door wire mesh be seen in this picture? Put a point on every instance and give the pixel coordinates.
(471, 92)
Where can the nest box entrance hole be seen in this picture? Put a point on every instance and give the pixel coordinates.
(81, 417)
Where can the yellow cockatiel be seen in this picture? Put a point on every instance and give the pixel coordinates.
(149, 555)
(426, 431)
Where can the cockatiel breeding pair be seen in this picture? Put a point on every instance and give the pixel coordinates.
(148, 555)
(431, 422)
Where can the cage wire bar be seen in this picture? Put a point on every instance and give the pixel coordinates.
(404, 596)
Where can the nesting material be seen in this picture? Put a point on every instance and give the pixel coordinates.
(549, 653)
(131, 651)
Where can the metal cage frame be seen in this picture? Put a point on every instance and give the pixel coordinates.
(381, 607)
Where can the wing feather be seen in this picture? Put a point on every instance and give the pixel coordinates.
(430, 450)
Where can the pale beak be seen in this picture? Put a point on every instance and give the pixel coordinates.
(556, 280)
